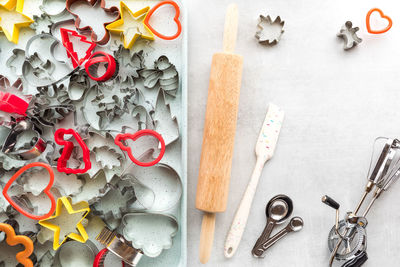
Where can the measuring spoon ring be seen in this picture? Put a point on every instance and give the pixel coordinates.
(295, 225)
(278, 209)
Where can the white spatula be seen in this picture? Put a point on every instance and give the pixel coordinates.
(265, 148)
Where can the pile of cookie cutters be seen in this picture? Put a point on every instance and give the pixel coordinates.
(88, 133)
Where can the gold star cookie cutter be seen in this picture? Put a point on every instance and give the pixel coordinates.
(12, 19)
(131, 25)
(63, 219)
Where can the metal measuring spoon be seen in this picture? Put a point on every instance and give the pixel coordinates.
(295, 225)
(278, 209)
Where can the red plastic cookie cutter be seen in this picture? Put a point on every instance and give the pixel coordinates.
(368, 21)
(67, 151)
(46, 190)
(101, 257)
(176, 19)
(66, 41)
(92, 66)
(121, 138)
(13, 104)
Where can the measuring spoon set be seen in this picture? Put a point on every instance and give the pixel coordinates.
(278, 210)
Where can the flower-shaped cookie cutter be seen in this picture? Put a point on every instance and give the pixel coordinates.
(67, 151)
(13, 240)
(120, 140)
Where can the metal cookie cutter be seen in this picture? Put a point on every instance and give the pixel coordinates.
(35, 148)
(101, 40)
(84, 254)
(116, 244)
(349, 35)
(269, 32)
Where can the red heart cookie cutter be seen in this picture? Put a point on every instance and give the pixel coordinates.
(120, 138)
(176, 19)
(368, 18)
(46, 190)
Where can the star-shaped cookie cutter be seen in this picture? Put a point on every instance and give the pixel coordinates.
(110, 10)
(120, 26)
(66, 202)
(14, 6)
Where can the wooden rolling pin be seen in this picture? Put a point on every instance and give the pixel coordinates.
(219, 133)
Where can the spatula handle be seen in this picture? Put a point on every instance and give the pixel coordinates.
(239, 222)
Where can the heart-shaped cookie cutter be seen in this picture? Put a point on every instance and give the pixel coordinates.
(13, 240)
(176, 19)
(368, 21)
(121, 138)
(46, 190)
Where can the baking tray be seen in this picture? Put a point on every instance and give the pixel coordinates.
(176, 51)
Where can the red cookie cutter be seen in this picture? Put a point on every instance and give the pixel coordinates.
(46, 190)
(76, 61)
(368, 18)
(120, 138)
(67, 151)
(101, 257)
(111, 10)
(13, 104)
(176, 19)
(92, 66)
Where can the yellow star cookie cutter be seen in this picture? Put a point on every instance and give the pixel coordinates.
(66, 217)
(12, 19)
(131, 25)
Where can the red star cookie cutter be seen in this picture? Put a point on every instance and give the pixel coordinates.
(67, 151)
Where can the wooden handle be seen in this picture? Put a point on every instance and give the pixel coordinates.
(207, 236)
(230, 30)
(239, 222)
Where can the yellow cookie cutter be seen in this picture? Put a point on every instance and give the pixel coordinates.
(9, 7)
(120, 26)
(12, 239)
(66, 202)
